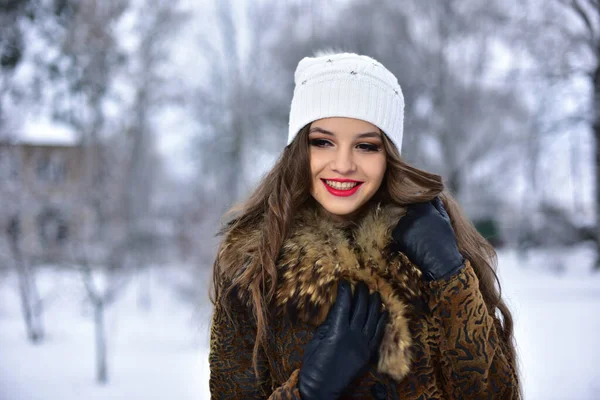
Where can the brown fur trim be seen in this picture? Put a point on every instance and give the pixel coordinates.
(320, 252)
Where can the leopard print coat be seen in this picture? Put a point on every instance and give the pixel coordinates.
(441, 340)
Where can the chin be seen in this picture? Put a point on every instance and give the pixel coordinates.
(341, 210)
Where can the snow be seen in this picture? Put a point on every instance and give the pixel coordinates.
(557, 321)
(42, 131)
(162, 353)
(155, 354)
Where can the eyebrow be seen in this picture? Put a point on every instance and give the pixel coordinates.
(359, 136)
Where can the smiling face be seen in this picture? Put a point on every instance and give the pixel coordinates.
(347, 163)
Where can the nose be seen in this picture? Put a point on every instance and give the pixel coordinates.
(343, 162)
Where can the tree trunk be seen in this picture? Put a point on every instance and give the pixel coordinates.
(37, 307)
(26, 308)
(30, 301)
(101, 367)
(596, 129)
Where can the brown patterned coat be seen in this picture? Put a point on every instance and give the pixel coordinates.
(440, 343)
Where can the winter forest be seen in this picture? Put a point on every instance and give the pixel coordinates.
(128, 127)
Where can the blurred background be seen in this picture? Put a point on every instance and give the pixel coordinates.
(127, 128)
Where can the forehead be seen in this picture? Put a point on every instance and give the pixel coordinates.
(344, 126)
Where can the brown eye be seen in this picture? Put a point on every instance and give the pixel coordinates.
(319, 142)
(368, 147)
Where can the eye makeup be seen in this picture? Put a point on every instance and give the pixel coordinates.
(369, 147)
(319, 142)
(365, 146)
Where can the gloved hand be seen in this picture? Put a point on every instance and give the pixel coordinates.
(343, 344)
(426, 236)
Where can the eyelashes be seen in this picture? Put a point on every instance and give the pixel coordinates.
(366, 147)
(370, 147)
(319, 142)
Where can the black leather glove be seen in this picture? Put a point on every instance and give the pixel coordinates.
(343, 344)
(426, 236)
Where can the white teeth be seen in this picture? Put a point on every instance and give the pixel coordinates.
(341, 185)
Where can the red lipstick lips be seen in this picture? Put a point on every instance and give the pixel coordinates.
(341, 192)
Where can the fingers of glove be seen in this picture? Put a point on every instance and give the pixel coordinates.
(360, 306)
(402, 229)
(413, 213)
(418, 209)
(373, 315)
(379, 331)
(339, 315)
(439, 206)
(312, 346)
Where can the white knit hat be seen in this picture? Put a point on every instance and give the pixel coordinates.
(347, 85)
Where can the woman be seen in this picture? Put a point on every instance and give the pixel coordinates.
(344, 276)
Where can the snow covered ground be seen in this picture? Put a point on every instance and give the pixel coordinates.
(155, 354)
(162, 353)
(557, 320)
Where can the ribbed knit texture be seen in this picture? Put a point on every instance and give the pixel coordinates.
(347, 85)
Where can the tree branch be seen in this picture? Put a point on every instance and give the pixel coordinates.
(578, 8)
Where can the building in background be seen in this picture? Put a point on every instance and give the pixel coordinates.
(41, 195)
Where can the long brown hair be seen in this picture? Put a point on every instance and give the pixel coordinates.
(286, 189)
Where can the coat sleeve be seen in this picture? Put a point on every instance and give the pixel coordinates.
(473, 356)
(232, 374)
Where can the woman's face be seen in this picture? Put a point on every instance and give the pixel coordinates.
(347, 163)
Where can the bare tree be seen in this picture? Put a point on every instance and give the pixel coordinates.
(560, 41)
(234, 99)
(101, 296)
(31, 303)
(118, 169)
(11, 53)
(18, 18)
(158, 21)
(12, 47)
(588, 13)
(89, 59)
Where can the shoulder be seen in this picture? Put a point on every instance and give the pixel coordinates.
(237, 253)
(240, 241)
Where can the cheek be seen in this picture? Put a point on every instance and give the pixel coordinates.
(316, 164)
(382, 169)
(377, 169)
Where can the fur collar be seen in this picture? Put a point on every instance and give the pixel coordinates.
(319, 252)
